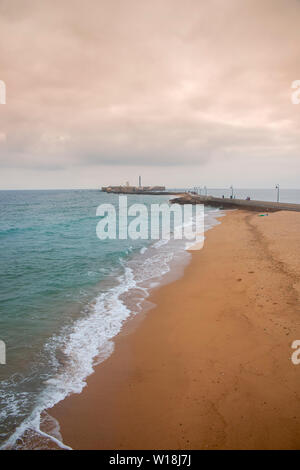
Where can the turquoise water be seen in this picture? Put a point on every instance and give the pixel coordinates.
(64, 295)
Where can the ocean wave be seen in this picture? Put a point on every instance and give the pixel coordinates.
(78, 348)
(89, 342)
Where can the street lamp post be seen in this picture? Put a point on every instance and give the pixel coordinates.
(278, 191)
(231, 187)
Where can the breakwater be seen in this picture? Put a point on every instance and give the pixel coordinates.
(227, 203)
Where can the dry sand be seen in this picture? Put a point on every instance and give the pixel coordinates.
(210, 366)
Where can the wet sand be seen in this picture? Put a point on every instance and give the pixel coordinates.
(209, 367)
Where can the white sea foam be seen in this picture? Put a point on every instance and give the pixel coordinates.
(90, 340)
(88, 343)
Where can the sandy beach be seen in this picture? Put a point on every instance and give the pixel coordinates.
(209, 367)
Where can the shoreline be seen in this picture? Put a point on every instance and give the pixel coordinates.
(209, 366)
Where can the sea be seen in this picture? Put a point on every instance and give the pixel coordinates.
(65, 295)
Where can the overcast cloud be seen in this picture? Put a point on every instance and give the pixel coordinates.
(184, 92)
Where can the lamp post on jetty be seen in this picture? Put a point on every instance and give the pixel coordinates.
(278, 190)
(231, 187)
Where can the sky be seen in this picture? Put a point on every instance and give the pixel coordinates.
(182, 92)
